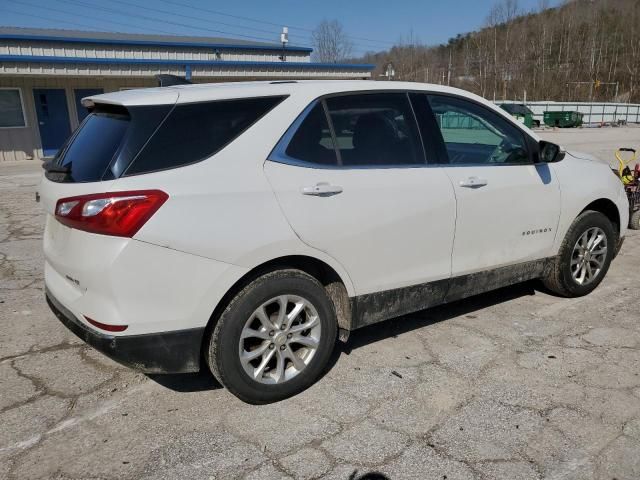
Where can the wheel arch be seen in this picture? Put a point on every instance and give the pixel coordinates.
(334, 284)
(608, 208)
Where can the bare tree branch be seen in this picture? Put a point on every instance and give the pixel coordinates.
(330, 42)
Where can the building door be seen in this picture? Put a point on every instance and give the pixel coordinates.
(79, 94)
(53, 118)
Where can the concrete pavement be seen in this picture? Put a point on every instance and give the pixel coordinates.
(514, 384)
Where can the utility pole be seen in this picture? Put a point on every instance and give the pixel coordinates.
(284, 39)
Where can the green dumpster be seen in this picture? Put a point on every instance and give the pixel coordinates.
(522, 113)
(563, 119)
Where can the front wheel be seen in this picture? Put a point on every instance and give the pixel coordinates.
(274, 338)
(584, 257)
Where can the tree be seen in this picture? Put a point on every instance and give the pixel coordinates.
(330, 42)
(579, 50)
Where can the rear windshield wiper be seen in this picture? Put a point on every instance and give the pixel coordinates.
(50, 167)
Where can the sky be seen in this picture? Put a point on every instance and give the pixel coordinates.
(372, 25)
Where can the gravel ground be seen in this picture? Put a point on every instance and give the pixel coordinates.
(515, 384)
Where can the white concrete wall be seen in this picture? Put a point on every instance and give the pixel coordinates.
(593, 112)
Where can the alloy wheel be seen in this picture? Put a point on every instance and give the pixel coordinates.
(279, 339)
(589, 256)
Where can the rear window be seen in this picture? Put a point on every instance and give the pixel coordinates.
(193, 132)
(115, 141)
(106, 142)
(89, 154)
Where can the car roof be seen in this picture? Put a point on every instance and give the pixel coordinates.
(203, 92)
(304, 91)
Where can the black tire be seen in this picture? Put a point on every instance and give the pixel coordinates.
(634, 221)
(222, 351)
(558, 277)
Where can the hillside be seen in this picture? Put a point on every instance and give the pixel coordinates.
(576, 52)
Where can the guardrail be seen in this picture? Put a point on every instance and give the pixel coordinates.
(593, 112)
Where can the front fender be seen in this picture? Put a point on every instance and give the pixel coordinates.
(583, 182)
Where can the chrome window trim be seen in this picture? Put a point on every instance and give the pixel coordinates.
(278, 154)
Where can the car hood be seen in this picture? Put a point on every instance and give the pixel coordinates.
(585, 156)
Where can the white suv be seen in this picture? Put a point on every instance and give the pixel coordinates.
(244, 227)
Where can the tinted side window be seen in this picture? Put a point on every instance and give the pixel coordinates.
(312, 141)
(473, 134)
(193, 132)
(375, 130)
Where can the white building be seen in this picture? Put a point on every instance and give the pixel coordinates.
(45, 73)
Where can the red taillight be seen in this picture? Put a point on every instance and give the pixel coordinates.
(120, 214)
(105, 327)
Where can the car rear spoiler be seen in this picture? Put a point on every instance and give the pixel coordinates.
(166, 80)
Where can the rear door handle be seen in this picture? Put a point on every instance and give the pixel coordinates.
(473, 182)
(322, 189)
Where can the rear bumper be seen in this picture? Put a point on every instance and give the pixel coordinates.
(167, 352)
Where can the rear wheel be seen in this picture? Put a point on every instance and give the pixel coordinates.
(634, 221)
(274, 338)
(584, 257)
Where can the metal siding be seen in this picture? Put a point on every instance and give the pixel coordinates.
(61, 49)
(8, 59)
(81, 37)
(199, 70)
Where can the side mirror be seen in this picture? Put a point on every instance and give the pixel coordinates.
(550, 152)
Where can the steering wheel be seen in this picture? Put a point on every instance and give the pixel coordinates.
(498, 154)
(507, 152)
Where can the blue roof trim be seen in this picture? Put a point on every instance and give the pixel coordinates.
(155, 43)
(142, 61)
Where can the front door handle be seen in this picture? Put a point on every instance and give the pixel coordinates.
(473, 182)
(322, 189)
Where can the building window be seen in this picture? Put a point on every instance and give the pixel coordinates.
(11, 108)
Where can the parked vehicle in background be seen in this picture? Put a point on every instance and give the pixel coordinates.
(522, 113)
(244, 227)
(565, 119)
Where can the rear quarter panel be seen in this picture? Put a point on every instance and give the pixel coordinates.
(223, 208)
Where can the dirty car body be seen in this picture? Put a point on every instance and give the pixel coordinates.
(245, 226)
